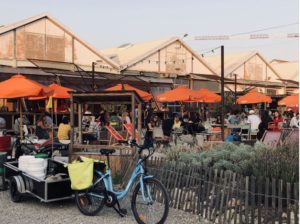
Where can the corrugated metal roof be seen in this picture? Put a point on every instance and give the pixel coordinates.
(16, 25)
(234, 60)
(288, 70)
(129, 54)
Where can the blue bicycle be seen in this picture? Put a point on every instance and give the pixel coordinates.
(149, 202)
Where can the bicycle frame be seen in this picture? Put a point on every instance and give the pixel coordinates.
(139, 172)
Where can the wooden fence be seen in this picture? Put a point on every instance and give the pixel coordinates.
(226, 197)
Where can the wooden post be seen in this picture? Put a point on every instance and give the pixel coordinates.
(80, 122)
(222, 93)
(133, 114)
(139, 121)
(72, 127)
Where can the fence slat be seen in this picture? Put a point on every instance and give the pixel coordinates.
(296, 204)
(228, 194)
(212, 194)
(252, 195)
(273, 200)
(231, 193)
(288, 203)
(218, 193)
(279, 212)
(266, 200)
(246, 199)
(223, 194)
(207, 191)
(237, 199)
(260, 207)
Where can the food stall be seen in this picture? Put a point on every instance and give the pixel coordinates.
(125, 156)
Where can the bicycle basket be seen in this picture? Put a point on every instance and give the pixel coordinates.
(81, 173)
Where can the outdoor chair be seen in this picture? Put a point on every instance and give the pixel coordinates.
(245, 132)
(271, 138)
(129, 130)
(115, 136)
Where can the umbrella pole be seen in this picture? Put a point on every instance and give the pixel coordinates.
(21, 119)
(52, 141)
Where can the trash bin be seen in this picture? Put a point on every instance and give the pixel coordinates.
(3, 156)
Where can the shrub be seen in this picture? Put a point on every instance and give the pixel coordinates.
(260, 160)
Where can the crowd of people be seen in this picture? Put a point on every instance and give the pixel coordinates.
(186, 122)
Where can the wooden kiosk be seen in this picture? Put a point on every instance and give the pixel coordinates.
(125, 156)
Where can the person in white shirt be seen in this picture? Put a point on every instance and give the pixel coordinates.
(254, 120)
(295, 121)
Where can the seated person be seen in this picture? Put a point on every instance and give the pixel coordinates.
(48, 120)
(42, 129)
(177, 123)
(64, 129)
(18, 122)
(2, 123)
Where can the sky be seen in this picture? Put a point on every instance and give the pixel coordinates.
(106, 24)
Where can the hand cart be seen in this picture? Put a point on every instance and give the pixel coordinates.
(22, 183)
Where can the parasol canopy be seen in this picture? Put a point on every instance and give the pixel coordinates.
(180, 93)
(144, 95)
(18, 86)
(253, 97)
(290, 101)
(59, 92)
(206, 96)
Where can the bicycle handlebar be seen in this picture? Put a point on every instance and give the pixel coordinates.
(141, 149)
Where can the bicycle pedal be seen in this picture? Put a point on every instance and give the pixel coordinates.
(123, 211)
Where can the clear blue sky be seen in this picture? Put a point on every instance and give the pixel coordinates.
(111, 23)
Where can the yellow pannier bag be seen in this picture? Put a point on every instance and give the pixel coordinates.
(81, 173)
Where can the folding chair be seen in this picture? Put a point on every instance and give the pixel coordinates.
(271, 138)
(129, 130)
(114, 135)
(245, 132)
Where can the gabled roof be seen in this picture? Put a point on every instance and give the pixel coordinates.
(24, 22)
(234, 61)
(129, 54)
(288, 70)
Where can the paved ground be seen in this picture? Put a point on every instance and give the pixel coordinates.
(31, 211)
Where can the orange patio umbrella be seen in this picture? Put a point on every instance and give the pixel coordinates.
(206, 96)
(253, 97)
(144, 95)
(180, 93)
(59, 92)
(290, 101)
(18, 86)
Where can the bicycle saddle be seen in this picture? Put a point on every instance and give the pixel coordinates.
(107, 151)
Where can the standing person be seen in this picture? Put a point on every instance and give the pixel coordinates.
(263, 126)
(253, 120)
(148, 114)
(277, 119)
(295, 121)
(86, 118)
(64, 129)
(41, 130)
(126, 118)
(148, 142)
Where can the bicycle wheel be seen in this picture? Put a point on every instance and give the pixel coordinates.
(154, 212)
(88, 204)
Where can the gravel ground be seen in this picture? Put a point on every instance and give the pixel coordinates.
(31, 211)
